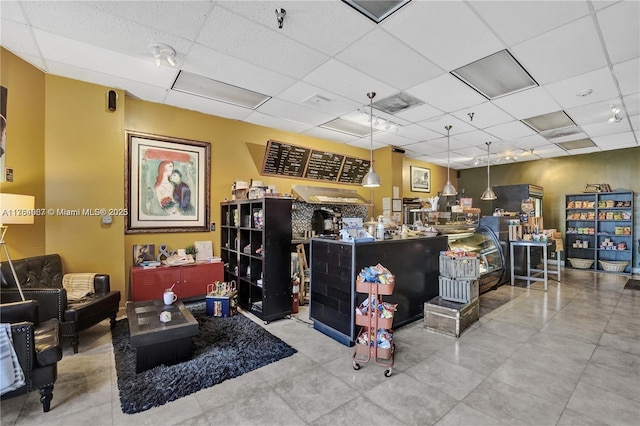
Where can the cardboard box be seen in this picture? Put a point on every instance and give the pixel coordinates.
(218, 306)
(451, 318)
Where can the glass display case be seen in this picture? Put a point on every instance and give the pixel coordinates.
(485, 244)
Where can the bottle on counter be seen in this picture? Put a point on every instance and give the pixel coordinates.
(380, 229)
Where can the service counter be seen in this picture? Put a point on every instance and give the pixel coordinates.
(335, 266)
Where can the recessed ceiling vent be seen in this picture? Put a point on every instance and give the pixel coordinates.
(577, 144)
(317, 100)
(396, 103)
(553, 125)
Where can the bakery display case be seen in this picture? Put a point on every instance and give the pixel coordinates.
(484, 243)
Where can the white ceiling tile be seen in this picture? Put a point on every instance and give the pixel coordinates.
(322, 133)
(266, 120)
(597, 112)
(419, 113)
(337, 105)
(236, 36)
(528, 103)
(378, 54)
(484, 115)
(348, 82)
(528, 142)
(11, 11)
(279, 108)
(477, 137)
(207, 106)
(471, 152)
(627, 74)
(600, 81)
(19, 37)
(416, 133)
(516, 21)
(438, 124)
(632, 104)
(392, 139)
(620, 30)
(550, 151)
(606, 128)
(585, 150)
(82, 55)
(567, 51)
(617, 139)
(206, 62)
(446, 93)
(327, 26)
(461, 37)
(510, 131)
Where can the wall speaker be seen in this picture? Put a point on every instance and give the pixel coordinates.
(112, 97)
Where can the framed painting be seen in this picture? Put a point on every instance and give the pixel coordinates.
(167, 184)
(420, 179)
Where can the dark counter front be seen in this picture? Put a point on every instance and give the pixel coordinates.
(335, 266)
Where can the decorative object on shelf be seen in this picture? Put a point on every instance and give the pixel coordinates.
(163, 252)
(448, 189)
(167, 184)
(597, 187)
(143, 253)
(191, 249)
(371, 179)
(420, 179)
(488, 194)
(15, 205)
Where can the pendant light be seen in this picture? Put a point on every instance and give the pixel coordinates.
(371, 179)
(448, 189)
(488, 194)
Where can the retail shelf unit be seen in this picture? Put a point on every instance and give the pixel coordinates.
(371, 326)
(255, 248)
(599, 228)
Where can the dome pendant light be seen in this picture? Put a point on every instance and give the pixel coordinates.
(448, 189)
(488, 194)
(371, 179)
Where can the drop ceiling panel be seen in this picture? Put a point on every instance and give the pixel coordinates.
(621, 139)
(322, 133)
(531, 141)
(378, 54)
(337, 77)
(438, 124)
(291, 111)
(419, 113)
(484, 115)
(327, 26)
(477, 137)
(600, 81)
(240, 37)
(392, 139)
(446, 93)
(565, 52)
(77, 21)
(528, 103)
(266, 120)
(19, 37)
(206, 62)
(632, 104)
(627, 73)
(462, 37)
(510, 131)
(550, 151)
(11, 11)
(337, 105)
(416, 133)
(621, 44)
(518, 21)
(597, 112)
(605, 128)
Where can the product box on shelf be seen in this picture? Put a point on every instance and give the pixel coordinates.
(451, 318)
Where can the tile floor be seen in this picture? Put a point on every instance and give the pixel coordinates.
(570, 355)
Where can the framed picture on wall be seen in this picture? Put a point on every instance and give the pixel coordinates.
(420, 179)
(167, 184)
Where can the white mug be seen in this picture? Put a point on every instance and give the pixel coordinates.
(169, 297)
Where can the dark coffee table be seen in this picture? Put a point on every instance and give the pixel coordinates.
(158, 342)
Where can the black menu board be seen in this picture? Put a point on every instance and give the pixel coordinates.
(353, 170)
(285, 160)
(323, 166)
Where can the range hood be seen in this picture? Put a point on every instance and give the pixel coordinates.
(319, 195)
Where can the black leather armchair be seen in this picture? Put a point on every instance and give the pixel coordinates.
(41, 279)
(38, 347)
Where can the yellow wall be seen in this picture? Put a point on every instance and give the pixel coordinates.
(438, 178)
(25, 148)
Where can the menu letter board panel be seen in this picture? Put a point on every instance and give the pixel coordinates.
(353, 170)
(323, 166)
(285, 160)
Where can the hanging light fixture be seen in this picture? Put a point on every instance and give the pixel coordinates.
(448, 189)
(371, 179)
(488, 193)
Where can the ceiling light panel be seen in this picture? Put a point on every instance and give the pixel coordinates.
(550, 121)
(377, 10)
(217, 90)
(577, 144)
(347, 126)
(496, 75)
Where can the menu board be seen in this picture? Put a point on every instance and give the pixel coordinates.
(323, 166)
(286, 160)
(353, 170)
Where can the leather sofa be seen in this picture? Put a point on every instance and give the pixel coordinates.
(41, 279)
(38, 348)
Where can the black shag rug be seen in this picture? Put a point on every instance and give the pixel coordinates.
(224, 349)
(632, 285)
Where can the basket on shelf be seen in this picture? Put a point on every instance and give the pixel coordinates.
(613, 266)
(581, 263)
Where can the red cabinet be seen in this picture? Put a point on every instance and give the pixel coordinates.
(190, 280)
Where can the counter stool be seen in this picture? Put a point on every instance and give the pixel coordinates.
(305, 274)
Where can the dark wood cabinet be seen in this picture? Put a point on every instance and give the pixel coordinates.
(256, 251)
(190, 281)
